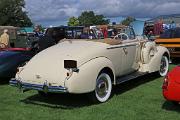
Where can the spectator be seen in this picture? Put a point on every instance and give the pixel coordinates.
(4, 39)
(150, 35)
(37, 31)
(172, 25)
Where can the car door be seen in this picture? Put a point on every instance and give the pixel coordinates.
(131, 50)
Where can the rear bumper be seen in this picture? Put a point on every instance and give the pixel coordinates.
(27, 86)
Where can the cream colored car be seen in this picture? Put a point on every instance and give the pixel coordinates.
(92, 66)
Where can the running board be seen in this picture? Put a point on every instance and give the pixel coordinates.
(128, 77)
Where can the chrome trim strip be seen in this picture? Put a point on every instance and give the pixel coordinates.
(114, 47)
(28, 86)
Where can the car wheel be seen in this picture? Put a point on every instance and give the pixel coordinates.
(103, 88)
(164, 66)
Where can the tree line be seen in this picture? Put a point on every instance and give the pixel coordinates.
(88, 18)
(12, 14)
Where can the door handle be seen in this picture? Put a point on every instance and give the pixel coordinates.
(125, 50)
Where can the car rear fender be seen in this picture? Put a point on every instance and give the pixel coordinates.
(84, 80)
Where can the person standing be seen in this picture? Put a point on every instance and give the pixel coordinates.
(4, 39)
(38, 31)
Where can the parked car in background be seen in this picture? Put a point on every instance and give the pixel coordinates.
(61, 32)
(11, 59)
(92, 65)
(171, 85)
(171, 39)
(17, 36)
(54, 34)
(22, 49)
(23, 46)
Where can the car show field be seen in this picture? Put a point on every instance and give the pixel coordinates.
(89, 60)
(138, 99)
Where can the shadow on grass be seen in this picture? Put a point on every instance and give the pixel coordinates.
(170, 106)
(126, 86)
(63, 101)
(4, 81)
(70, 101)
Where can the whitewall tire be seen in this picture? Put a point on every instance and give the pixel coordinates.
(164, 66)
(103, 88)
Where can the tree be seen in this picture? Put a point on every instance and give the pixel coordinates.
(100, 20)
(73, 21)
(128, 20)
(11, 12)
(88, 18)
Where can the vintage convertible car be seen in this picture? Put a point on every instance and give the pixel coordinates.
(171, 85)
(92, 65)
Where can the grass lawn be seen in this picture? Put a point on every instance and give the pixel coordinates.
(139, 99)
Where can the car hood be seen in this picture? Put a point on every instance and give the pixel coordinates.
(49, 64)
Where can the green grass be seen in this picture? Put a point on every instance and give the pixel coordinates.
(140, 99)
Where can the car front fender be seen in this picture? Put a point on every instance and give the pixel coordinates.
(154, 64)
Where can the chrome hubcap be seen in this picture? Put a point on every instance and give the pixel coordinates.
(102, 87)
(163, 66)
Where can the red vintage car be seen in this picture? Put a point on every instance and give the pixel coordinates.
(171, 85)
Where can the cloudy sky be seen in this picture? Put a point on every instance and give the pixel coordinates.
(57, 12)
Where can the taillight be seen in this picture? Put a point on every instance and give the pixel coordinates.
(165, 83)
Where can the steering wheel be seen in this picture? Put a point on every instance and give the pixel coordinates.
(121, 36)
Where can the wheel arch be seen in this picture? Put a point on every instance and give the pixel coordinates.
(167, 55)
(154, 63)
(109, 72)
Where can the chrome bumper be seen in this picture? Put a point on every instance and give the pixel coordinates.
(27, 86)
